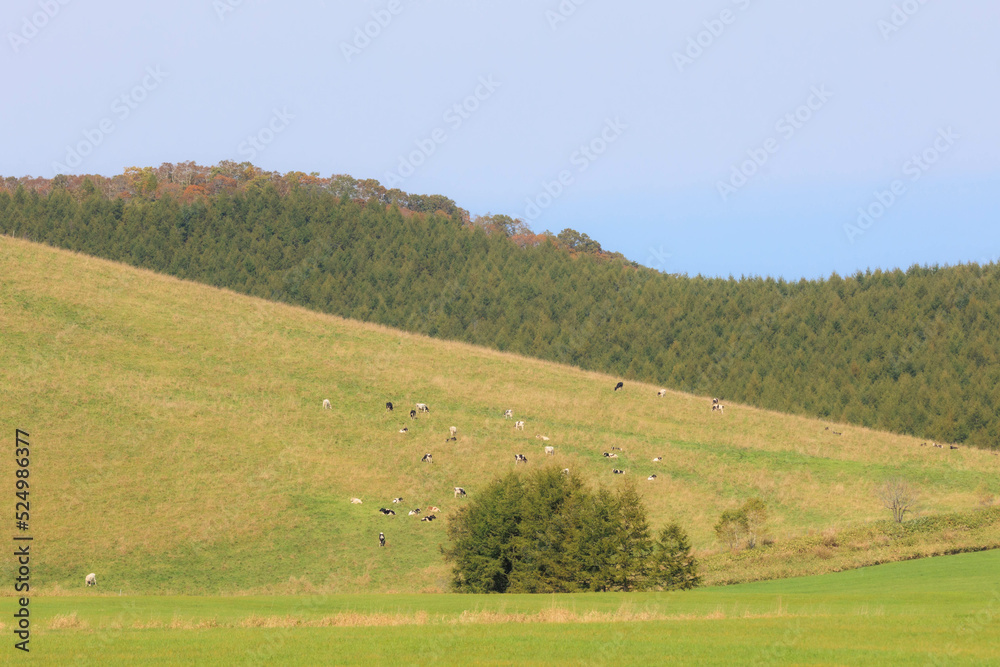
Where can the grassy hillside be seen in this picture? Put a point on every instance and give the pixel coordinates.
(179, 444)
(933, 611)
(913, 351)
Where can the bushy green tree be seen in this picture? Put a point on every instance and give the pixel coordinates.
(546, 533)
(673, 565)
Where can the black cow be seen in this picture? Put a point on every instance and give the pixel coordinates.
(619, 386)
(388, 406)
(413, 414)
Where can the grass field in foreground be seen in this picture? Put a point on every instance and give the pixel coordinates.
(179, 445)
(933, 611)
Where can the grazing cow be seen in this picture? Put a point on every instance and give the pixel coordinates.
(429, 517)
(508, 414)
(433, 509)
(355, 501)
(661, 393)
(616, 471)
(451, 439)
(519, 426)
(836, 433)
(388, 406)
(413, 414)
(719, 406)
(397, 500)
(619, 386)
(543, 437)
(952, 446)
(326, 404)
(459, 492)
(618, 448)
(565, 471)
(937, 445)
(386, 512)
(427, 459)
(91, 579)
(453, 431)
(551, 451)
(657, 459)
(381, 539)
(422, 407)
(414, 512)
(652, 478)
(520, 458)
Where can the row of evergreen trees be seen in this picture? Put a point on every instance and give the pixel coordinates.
(914, 352)
(547, 533)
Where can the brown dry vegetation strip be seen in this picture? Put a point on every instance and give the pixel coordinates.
(358, 620)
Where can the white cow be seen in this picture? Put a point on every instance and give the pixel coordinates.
(519, 426)
(550, 450)
(453, 431)
(91, 579)
(355, 501)
(542, 437)
(326, 404)
(459, 492)
(661, 393)
(422, 407)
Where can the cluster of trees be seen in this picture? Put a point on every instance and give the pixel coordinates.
(545, 532)
(914, 351)
(189, 183)
(742, 526)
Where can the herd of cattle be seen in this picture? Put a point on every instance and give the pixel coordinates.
(421, 408)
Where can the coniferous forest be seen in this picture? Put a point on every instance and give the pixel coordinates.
(912, 351)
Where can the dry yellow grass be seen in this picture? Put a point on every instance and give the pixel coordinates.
(180, 436)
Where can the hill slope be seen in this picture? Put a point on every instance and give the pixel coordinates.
(911, 352)
(179, 444)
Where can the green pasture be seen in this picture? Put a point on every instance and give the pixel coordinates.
(931, 611)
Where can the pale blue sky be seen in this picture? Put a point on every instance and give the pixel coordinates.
(675, 121)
